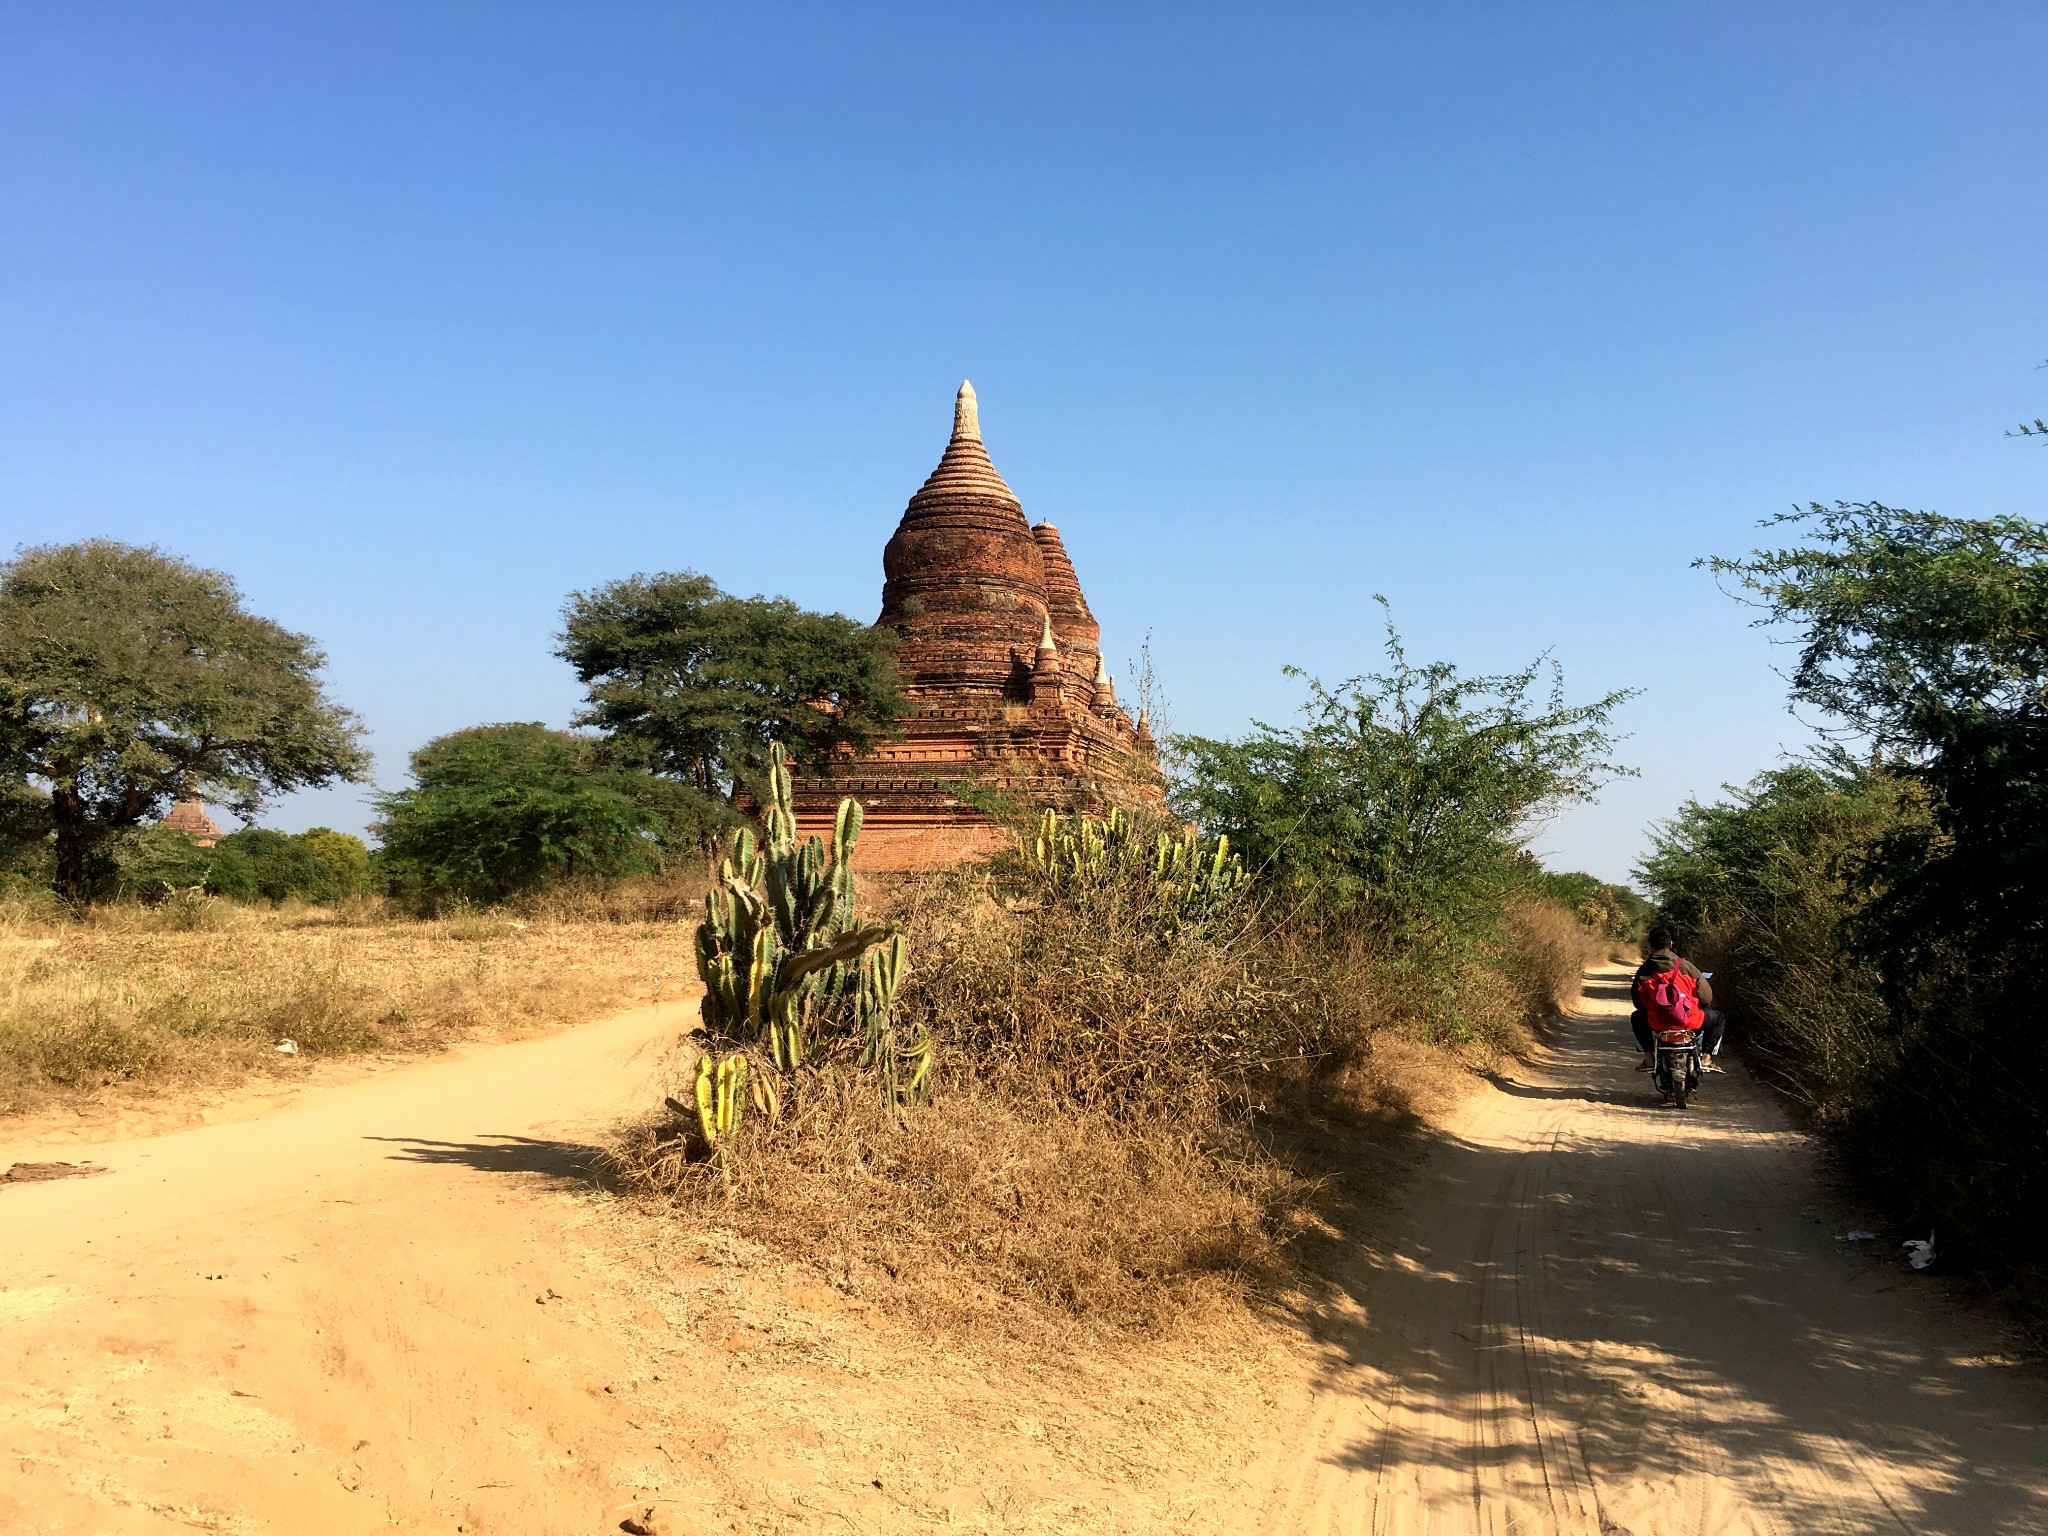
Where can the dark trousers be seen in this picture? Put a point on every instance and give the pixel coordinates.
(1713, 1028)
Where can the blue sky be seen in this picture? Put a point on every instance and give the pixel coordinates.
(416, 318)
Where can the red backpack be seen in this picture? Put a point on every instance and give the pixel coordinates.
(1670, 999)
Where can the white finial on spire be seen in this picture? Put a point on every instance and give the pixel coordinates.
(966, 417)
(1101, 670)
(1046, 641)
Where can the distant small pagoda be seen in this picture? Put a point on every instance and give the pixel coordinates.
(1002, 664)
(189, 817)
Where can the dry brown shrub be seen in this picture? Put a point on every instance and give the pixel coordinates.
(976, 1211)
(675, 897)
(1084, 1002)
(1100, 1148)
(1128, 1128)
(1547, 950)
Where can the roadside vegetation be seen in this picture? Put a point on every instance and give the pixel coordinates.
(1144, 1038)
(1094, 1082)
(200, 991)
(1878, 916)
(526, 876)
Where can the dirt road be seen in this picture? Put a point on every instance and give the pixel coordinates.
(1590, 1314)
(273, 1325)
(398, 1304)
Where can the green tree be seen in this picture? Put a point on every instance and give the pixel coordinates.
(128, 676)
(499, 810)
(1914, 623)
(691, 683)
(279, 866)
(345, 857)
(1927, 636)
(1403, 798)
(1764, 886)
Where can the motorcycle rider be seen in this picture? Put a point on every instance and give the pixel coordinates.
(1713, 1023)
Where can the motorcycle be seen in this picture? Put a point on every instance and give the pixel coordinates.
(1676, 1074)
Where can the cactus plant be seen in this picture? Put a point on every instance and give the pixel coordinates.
(786, 962)
(1187, 877)
(720, 1091)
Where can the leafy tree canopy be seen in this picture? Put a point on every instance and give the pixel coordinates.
(128, 676)
(498, 810)
(1912, 620)
(254, 864)
(1404, 795)
(692, 683)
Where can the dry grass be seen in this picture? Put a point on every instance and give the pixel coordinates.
(1128, 1134)
(200, 991)
(1547, 952)
(978, 1213)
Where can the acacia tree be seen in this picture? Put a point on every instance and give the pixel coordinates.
(692, 683)
(1403, 798)
(1926, 637)
(128, 676)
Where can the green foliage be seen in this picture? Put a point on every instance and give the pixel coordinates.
(1914, 622)
(345, 858)
(1608, 911)
(496, 811)
(786, 962)
(127, 677)
(1763, 888)
(255, 864)
(151, 862)
(694, 684)
(1401, 801)
(1927, 636)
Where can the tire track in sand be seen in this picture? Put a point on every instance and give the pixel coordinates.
(1590, 1314)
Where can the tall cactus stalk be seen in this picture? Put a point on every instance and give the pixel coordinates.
(786, 962)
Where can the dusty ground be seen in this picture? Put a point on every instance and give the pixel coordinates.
(398, 1303)
(1590, 1314)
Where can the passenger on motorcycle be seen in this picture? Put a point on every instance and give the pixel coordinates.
(1713, 1023)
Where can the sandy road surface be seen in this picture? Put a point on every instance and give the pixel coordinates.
(396, 1304)
(1590, 1314)
(272, 1325)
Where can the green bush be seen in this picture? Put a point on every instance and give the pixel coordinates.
(1399, 806)
(1608, 911)
(498, 811)
(1764, 888)
(1898, 915)
(255, 864)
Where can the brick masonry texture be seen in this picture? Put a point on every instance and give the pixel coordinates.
(1002, 663)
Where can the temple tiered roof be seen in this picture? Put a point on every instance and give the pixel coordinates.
(189, 816)
(1002, 662)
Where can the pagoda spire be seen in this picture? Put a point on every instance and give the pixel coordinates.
(966, 414)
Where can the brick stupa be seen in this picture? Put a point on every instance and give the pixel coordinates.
(189, 817)
(1002, 663)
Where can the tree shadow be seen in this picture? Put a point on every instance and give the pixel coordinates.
(1603, 1299)
(566, 1162)
(1642, 1097)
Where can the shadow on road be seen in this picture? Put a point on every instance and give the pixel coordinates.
(568, 1162)
(1587, 1301)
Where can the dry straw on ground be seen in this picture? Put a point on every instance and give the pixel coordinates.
(202, 991)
